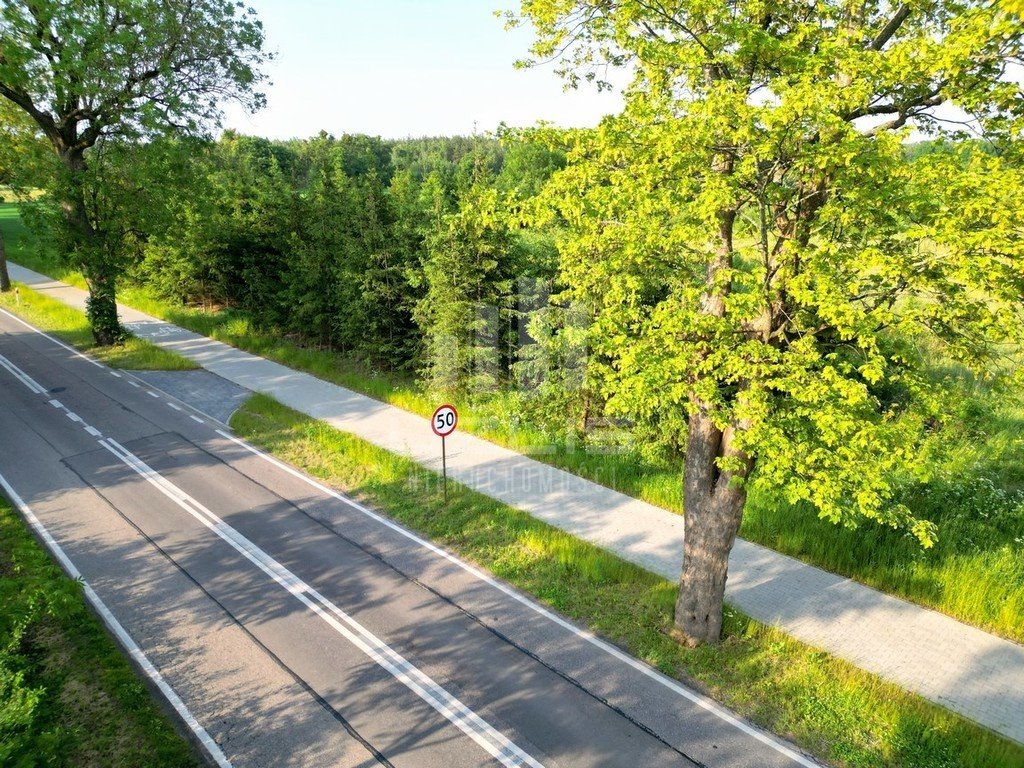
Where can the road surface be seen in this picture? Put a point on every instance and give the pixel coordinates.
(291, 626)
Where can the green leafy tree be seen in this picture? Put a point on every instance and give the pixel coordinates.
(321, 284)
(23, 165)
(466, 313)
(758, 255)
(233, 213)
(123, 69)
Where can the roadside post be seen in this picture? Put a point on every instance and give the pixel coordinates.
(443, 422)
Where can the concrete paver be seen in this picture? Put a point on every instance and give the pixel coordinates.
(957, 666)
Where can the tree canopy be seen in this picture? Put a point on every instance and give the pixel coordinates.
(763, 265)
(125, 68)
(116, 70)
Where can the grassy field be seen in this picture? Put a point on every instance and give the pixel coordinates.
(68, 697)
(830, 708)
(975, 573)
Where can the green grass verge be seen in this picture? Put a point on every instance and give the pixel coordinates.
(975, 573)
(827, 706)
(70, 325)
(68, 696)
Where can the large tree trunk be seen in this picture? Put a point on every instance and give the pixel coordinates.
(87, 245)
(713, 511)
(5, 278)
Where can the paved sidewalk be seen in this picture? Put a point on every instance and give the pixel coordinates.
(969, 671)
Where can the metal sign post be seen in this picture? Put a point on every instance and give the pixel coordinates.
(443, 422)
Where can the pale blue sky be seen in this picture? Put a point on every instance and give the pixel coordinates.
(398, 68)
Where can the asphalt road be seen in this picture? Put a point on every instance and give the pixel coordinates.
(299, 628)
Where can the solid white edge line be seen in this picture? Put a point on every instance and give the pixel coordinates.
(58, 342)
(696, 698)
(126, 640)
(85, 357)
(493, 741)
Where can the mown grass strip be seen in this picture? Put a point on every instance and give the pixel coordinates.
(845, 716)
(68, 697)
(71, 326)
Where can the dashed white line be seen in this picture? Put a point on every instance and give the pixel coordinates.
(465, 719)
(175, 406)
(127, 641)
(134, 383)
(692, 696)
(93, 431)
(56, 403)
(151, 393)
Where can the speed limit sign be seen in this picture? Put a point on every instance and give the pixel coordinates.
(444, 420)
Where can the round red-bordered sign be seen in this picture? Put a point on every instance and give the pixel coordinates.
(444, 420)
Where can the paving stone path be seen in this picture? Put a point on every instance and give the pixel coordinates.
(957, 666)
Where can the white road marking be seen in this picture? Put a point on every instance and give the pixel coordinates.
(483, 733)
(93, 431)
(21, 376)
(151, 393)
(175, 406)
(126, 640)
(58, 342)
(74, 417)
(114, 373)
(196, 418)
(134, 383)
(673, 685)
(56, 403)
(692, 696)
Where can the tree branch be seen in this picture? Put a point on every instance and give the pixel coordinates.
(891, 28)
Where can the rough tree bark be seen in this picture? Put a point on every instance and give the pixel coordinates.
(712, 501)
(100, 278)
(5, 278)
(714, 508)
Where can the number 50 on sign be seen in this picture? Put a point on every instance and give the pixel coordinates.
(443, 422)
